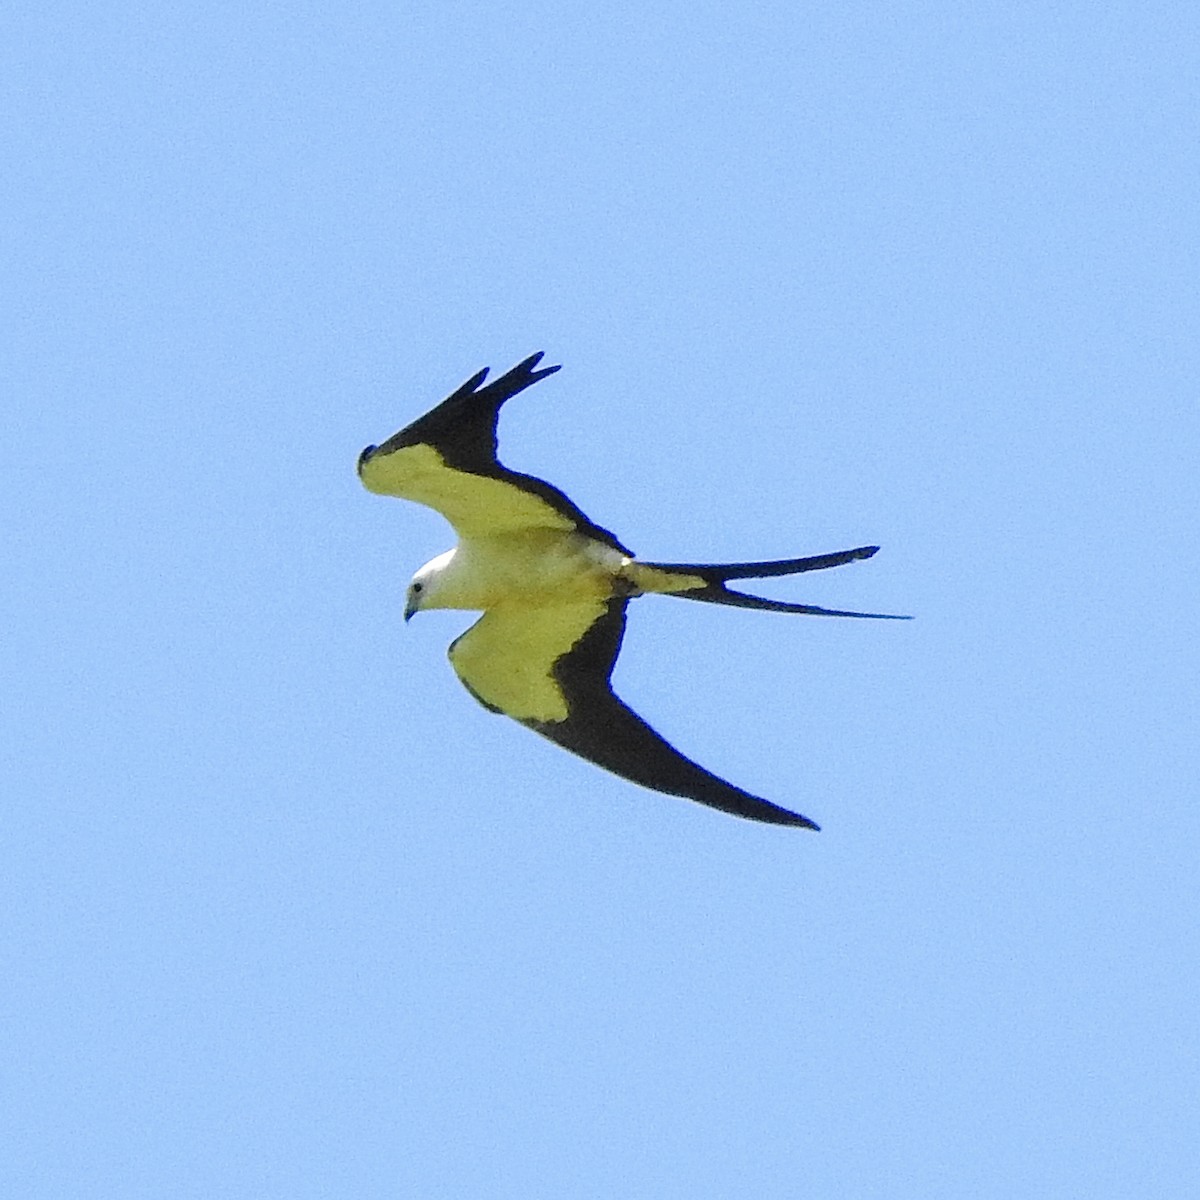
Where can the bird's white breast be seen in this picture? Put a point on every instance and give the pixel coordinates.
(535, 567)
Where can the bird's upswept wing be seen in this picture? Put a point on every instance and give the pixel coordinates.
(549, 667)
(447, 461)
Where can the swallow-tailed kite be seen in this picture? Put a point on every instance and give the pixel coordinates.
(553, 588)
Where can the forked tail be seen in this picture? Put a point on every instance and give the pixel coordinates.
(694, 581)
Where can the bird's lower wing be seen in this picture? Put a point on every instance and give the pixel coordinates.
(614, 737)
(549, 668)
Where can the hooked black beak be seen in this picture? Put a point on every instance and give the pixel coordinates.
(409, 609)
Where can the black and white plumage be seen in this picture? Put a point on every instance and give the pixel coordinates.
(553, 587)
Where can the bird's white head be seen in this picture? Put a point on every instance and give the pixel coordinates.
(424, 590)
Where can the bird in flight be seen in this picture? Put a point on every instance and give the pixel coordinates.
(553, 588)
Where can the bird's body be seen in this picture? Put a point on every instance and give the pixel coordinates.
(553, 588)
(536, 567)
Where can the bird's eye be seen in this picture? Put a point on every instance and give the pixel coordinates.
(416, 587)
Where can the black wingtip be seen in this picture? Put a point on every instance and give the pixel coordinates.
(803, 823)
(515, 380)
(523, 372)
(473, 383)
(527, 366)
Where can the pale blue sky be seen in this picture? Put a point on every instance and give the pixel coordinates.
(286, 914)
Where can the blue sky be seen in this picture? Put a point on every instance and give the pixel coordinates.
(286, 914)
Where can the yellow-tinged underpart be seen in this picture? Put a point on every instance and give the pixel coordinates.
(535, 566)
(506, 659)
(653, 579)
(548, 592)
(473, 504)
